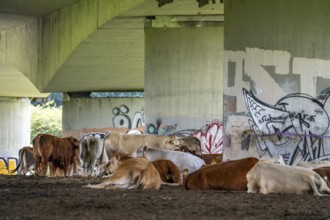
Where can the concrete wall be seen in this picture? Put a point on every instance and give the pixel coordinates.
(276, 79)
(183, 83)
(86, 115)
(14, 126)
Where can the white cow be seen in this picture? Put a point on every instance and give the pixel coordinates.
(313, 164)
(116, 142)
(268, 178)
(91, 155)
(181, 159)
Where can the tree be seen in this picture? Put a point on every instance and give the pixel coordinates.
(46, 119)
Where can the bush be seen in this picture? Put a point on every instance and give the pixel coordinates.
(46, 119)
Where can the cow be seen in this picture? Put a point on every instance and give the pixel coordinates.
(56, 152)
(184, 161)
(91, 155)
(268, 178)
(229, 175)
(313, 164)
(130, 173)
(191, 144)
(116, 142)
(324, 172)
(26, 161)
(169, 172)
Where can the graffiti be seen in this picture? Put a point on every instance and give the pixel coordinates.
(295, 126)
(258, 70)
(211, 138)
(6, 165)
(121, 118)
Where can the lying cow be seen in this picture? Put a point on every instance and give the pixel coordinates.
(230, 175)
(268, 178)
(182, 160)
(324, 172)
(313, 164)
(56, 152)
(169, 172)
(191, 144)
(116, 142)
(130, 173)
(26, 161)
(91, 154)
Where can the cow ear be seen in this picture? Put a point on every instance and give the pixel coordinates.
(145, 148)
(117, 156)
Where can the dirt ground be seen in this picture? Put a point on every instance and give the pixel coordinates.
(31, 197)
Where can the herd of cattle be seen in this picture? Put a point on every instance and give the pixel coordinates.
(148, 161)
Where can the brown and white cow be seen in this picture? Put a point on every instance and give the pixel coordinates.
(56, 152)
(267, 178)
(230, 175)
(131, 173)
(26, 161)
(116, 142)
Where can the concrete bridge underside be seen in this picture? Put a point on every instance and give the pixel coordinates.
(80, 45)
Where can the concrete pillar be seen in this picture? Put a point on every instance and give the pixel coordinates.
(15, 125)
(183, 79)
(85, 115)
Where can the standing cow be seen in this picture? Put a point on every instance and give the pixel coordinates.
(56, 152)
(26, 161)
(116, 142)
(91, 155)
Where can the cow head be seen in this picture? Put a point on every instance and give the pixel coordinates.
(140, 151)
(113, 164)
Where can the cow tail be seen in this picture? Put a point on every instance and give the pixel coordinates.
(20, 156)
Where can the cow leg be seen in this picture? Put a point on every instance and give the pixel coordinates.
(43, 167)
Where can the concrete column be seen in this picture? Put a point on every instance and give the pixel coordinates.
(15, 125)
(183, 78)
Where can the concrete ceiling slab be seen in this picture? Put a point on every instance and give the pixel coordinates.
(110, 59)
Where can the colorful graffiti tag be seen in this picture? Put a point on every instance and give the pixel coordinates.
(295, 127)
(211, 138)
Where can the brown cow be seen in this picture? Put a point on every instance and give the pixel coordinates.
(230, 175)
(168, 171)
(211, 158)
(56, 152)
(26, 161)
(130, 173)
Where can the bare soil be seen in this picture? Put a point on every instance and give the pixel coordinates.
(32, 197)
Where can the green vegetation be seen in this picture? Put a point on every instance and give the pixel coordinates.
(47, 119)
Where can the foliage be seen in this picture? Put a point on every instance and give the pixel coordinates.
(46, 119)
